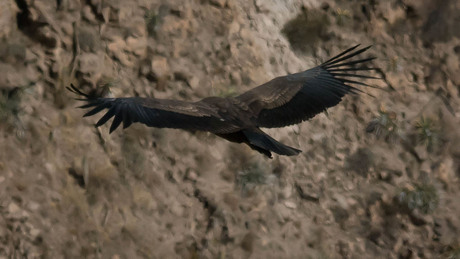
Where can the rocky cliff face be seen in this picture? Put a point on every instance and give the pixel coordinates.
(69, 190)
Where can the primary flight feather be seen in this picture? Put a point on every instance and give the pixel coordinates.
(283, 101)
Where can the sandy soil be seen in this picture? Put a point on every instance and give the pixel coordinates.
(377, 178)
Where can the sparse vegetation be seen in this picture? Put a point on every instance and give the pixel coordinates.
(9, 103)
(422, 197)
(9, 110)
(453, 254)
(229, 91)
(342, 16)
(393, 64)
(105, 83)
(385, 125)
(151, 21)
(427, 133)
(256, 174)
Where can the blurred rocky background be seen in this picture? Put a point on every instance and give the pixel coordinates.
(378, 176)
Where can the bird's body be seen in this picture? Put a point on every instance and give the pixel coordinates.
(283, 101)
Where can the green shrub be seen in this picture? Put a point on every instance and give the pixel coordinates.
(384, 125)
(427, 133)
(423, 197)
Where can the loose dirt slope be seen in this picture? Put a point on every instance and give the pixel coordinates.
(68, 190)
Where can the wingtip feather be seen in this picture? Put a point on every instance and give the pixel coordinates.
(73, 89)
(336, 58)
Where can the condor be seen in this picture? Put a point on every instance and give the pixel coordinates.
(283, 101)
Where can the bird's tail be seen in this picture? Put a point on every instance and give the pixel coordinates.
(263, 143)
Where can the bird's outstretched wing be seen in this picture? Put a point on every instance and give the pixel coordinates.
(297, 97)
(154, 112)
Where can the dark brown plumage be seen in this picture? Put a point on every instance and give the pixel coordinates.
(283, 101)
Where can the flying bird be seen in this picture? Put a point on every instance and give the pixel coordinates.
(282, 101)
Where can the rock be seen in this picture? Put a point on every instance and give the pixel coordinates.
(137, 28)
(247, 243)
(117, 49)
(453, 66)
(16, 213)
(160, 66)
(233, 29)
(89, 63)
(435, 76)
(138, 46)
(194, 82)
(176, 209)
(91, 66)
(286, 192)
(283, 212)
(88, 39)
(13, 208)
(11, 77)
(308, 191)
(12, 52)
(235, 78)
(446, 172)
(290, 204)
(317, 136)
(191, 80)
(231, 200)
(34, 232)
(88, 14)
(218, 3)
(340, 214)
(143, 199)
(8, 10)
(261, 6)
(440, 23)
